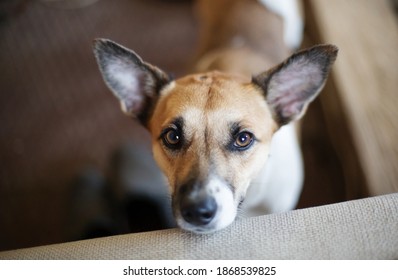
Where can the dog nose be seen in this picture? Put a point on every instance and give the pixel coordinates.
(198, 212)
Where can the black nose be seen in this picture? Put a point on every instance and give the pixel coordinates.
(198, 209)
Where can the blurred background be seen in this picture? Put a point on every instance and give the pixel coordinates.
(58, 120)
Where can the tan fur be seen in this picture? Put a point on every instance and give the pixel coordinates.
(233, 41)
(209, 104)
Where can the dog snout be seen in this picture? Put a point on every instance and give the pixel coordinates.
(200, 212)
(196, 207)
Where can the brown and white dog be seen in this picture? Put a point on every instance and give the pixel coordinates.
(225, 139)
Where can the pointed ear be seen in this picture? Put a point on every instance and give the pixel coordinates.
(292, 85)
(135, 83)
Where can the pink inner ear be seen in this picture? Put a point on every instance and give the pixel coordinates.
(124, 75)
(293, 87)
(128, 86)
(133, 106)
(291, 108)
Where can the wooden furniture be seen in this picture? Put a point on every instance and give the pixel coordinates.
(361, 99)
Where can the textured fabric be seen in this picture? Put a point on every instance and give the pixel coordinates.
(361, 229)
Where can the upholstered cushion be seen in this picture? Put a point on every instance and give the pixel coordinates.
(360, 229)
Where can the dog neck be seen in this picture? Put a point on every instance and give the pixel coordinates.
(241, 37)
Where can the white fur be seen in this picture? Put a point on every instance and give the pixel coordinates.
(226, 208)
(167, 89)
(278, 186)
(290, 12)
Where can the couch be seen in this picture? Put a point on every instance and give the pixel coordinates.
(358, 229)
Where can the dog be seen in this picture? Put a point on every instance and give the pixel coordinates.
(224, 137)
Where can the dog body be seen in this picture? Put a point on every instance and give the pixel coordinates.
(246, 37)
(222, 138)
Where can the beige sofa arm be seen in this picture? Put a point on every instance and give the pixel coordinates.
(360, 229)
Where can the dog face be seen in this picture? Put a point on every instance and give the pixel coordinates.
(211, 132)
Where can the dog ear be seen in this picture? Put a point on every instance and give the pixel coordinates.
(290, 86)
(135, 83)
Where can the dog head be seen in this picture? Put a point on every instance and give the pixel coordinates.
(211, 132)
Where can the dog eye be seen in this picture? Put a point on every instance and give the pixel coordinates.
(243, 140)
(172, 138)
